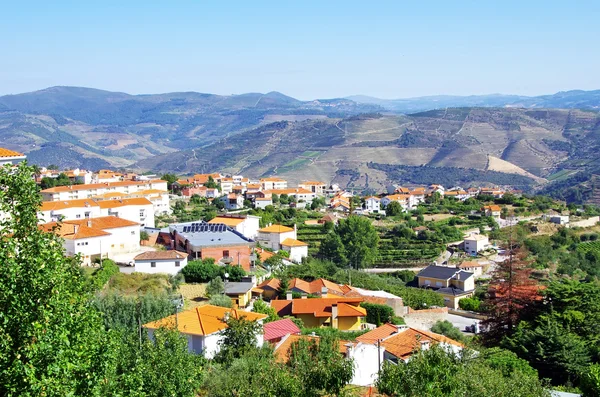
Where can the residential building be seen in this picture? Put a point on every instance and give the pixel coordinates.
(10, 157)
(262, 202)
(202, 191)
(418, 195)
(436, 189)
(298, 193)
(96, 238)
(400, 342)
(314, 186)
(104, 176)
(239, 292)
(323, 288)
(54, 211)
(475, 243)
(269, 287)
(373, 204)
(366, 358)
(341, 313)
(203, 240)
(233, 201)
(407, 201)
(492, 210)
(140, 210)
(273, 235)
(296, 248)
(247, 225)
(169, 262)
(275, 331)
(559, 219)
(273, 183)
(378, 297)
(472, 267)
(457, 194)
(226, 185)
(452, 283)
(203, 326)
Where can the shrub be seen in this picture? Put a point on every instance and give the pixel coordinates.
(220, 300)
(215, 287)
(235, 273)
(447, 329)
(200, 271)
(261, 307)
(102, 275)
(470, 304)
(378, 314)
(396, 320)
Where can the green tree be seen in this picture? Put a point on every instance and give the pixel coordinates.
(144, 236)
(360, 240)
(238, 339)
(170, 178)
(378, 314)
(201, 271)
(275, 198)
(215, 287)
(220, 300)
(590, 381)
(51, 342)
(446, 328)
(212, 184)
(261, 306)
(393, 209)
(333, 249)
(320, 367)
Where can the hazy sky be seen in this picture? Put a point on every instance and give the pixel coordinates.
(308, 49)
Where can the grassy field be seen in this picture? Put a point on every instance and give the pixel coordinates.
(194, 295)
(561, 175)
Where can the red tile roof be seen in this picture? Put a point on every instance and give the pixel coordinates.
(280, 328)
(320, 307)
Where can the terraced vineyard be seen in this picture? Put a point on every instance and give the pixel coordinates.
(395, 252)
(593, 246)
(312, 235)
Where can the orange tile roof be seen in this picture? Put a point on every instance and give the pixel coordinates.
(272, 283)
(10, 153)
(161, 255)
(276, 229)
(110, 195)
(203, 320)
(396, 197)
(99, 185)
(253, 186)
(283, 348)
(59, 205)
(378, 333)
(104, 222)
(264, 254)
(492, 208)
(289, 191)
(290, 242)
(229, 221)
(70, 231)
(313, 183)
(151, 191)
(406, 342)
(272, 179)
(203, 178)
(320, 307)
(124, 202)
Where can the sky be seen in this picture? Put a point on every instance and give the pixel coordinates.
(305, 49)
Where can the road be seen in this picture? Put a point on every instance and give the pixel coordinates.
(461, 322)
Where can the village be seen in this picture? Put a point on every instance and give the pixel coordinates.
(141, 223)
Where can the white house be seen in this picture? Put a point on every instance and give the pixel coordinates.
(140, 210)
(407, 202)
(314, 186)
(233, 201)
(169, 262)
(53, 211)
(262, 202)
(273, 183)
(97, 237)
(373, 204)
(10, 157)
(272, 236)
(475, 243)
(296, 248)
(226, 185)
(203, 326)
(472, 267)
(247, 225)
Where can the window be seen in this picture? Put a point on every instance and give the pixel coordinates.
(86, 243)
(133, 232)
(438, 283)
(177, 263)
(225, 253)
(78, 216)
(152, 264)
(141, 213)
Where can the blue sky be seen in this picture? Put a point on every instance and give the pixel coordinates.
(308, 49)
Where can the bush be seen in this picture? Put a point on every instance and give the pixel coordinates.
(470, 304)
(102, 275)
(235, 273)
(378, 314)
(397, 320)
(221, 300)
(200, 271)
(447, 329)
(215, 287)
(261, 307)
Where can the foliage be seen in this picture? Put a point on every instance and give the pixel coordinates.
(321, 369)
(359, 239)
(220, 300)
(333, 333)
(170, 178)
(378, 314)
(393, 209)
(235, 273)
(333, 250)
(438, 373)
(506, 361)
(261, 306)
(239, 338)
(215, 287)
(446, 328)
(470, 304)
(128, 313)
(590, 381)
(200, 271)
(144, 236)
(103, 274)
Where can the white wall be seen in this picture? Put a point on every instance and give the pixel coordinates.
(87, 247)
(366, 359)
(69, 214)
(162, 266)
(124, 239)
(249, 227)
(142, 214)
(273, 240)
(297, 253)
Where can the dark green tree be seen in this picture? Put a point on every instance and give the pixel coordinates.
(170, 178)
(238, 339)
(393, 209)
(333, 249)
(360, 240)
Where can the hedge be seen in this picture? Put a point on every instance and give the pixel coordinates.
(378, 314)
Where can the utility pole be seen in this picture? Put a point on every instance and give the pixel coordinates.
(378, 358)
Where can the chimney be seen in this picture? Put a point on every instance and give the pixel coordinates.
(304, 296)
(334, 311)
(75, 229)
(288, 296)
(349, 348)
(89, 223)
(324, 291)
(425, 345)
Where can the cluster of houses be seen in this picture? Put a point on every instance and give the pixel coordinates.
(330, 305)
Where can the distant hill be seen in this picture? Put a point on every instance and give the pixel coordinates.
(347, 141)
(575, 99)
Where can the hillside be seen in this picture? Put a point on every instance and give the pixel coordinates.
(575, 99)
(466, 145)
(334, 140)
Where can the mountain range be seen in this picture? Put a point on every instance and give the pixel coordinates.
(547, 142)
